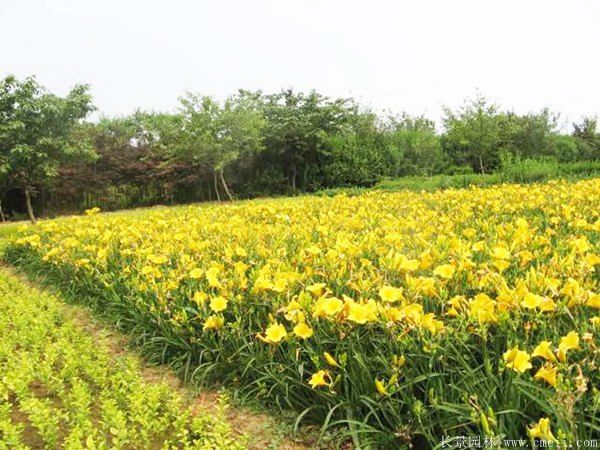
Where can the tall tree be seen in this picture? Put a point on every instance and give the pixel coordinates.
(298, 130)
(588, 138)
(36, 132)
(472, 134)
(416, 145)
(216, 135)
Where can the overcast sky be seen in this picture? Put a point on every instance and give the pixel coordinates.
(412, 56)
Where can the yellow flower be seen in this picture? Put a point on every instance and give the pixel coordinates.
(380, 387)
(542, 430)
(543, 350)
(196, 273)
(568, 342)
(526, 256)
(445, 271)
(316, 289)
(547, 373)
(531, 301)
(483, 308)
(362, 313)
(425, 286)
(581, 244)
(478, 246)
(330, 359)
(199, 297)
(595, 321)
(211, 276)
(313, 250)
(213, 323)
(275, 333)
(157, 259)
(456, 305)
(408, 265)
(390, 294)
(393, 314)
(319, 379)
(431, 324)
(547, 304)
(594, 301)
(592, 259)
(328, 306)
(303, 331)
(501, 264)
(501, 252)
(518, 360)
(218, 304)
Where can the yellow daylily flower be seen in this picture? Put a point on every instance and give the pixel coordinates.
(380, 387)
(547, 373)
(213, 322)
(390, 294)
(362, 313)
(316, 289)
(568, 342)
(275, 333)
(303, 331)
(542, 430)
(543, 350)
(196, 273)
(218, 304)
(518, 360)
(445, 271)
(327, 307)
(320, 378)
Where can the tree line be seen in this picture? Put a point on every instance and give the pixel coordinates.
(251, 144)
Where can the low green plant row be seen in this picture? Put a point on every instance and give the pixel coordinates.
(524, 171)
(59, 388)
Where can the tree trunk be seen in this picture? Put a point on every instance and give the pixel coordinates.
(216, 185)
(481, 165)
(225, 185)
(28, 204)
(2, 213)
(294, 177)
(305, 177)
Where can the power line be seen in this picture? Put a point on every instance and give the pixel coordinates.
(489, 72)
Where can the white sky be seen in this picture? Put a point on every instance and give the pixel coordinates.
(412, 56)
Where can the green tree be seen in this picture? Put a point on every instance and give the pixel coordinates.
(36, 132)
(588, 138)
(216, 135)
(527, 136)
(416, 145)
(473, 135)
(298, 130)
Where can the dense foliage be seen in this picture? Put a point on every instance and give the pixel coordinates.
(250, 144)
(38, 132)
(62, 388)
(405, 316)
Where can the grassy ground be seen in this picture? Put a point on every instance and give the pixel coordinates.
(8, 229)
(523, 172)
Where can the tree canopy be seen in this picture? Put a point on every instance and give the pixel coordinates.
(38, 132)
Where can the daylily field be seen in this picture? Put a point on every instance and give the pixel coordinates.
(400, 317)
